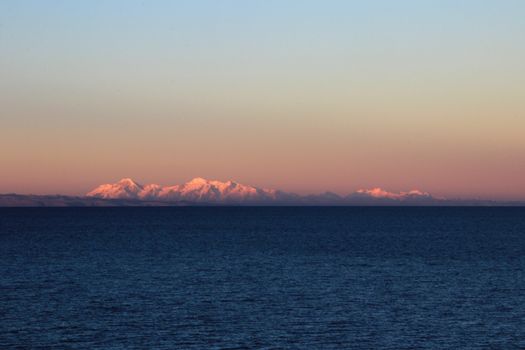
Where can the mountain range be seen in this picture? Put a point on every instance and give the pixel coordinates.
(196, 190)
(200, 191)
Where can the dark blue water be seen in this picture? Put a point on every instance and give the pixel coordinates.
(183, 278)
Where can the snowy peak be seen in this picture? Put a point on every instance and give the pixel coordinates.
(379, 193)
(124, 189)
(128, 182)
(197, 181)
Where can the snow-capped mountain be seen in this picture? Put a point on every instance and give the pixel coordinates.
(379, 193)
(124, 189)
(196, 190)
(201, 190)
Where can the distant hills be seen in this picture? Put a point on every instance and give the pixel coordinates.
(200, 191)
(18, 200)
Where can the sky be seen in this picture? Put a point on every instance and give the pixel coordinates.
(303, 96)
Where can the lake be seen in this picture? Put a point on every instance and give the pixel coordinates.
(262, 278)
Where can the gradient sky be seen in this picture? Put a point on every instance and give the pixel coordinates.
(303, 96)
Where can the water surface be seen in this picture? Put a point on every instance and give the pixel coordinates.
(195, 278)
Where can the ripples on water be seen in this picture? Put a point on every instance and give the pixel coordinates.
(183, 278)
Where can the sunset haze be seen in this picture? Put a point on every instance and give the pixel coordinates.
(300, 96)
